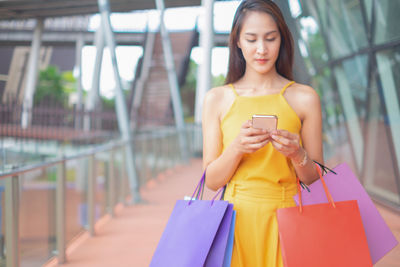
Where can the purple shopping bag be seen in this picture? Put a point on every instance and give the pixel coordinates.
(196, 233)
(343, 186)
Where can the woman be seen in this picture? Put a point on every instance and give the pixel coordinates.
(260, 167)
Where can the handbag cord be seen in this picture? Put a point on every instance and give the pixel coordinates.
(200, 190)
(328, 195)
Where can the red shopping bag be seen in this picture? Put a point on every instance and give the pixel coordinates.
(329, 234)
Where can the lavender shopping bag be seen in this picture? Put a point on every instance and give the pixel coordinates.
(344, 185)
(196, 233)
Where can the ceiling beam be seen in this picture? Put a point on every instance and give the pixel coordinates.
(55, 8)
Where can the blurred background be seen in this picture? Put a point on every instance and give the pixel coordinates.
(98, 97)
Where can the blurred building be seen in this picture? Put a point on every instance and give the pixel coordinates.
(352, 52)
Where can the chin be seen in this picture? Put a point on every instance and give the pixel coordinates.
(263, 70)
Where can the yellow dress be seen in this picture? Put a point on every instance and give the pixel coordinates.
(263, 182)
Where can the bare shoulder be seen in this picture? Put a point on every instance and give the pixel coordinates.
(303, 94)
(303, 99)
(216, 94)
(216, 99)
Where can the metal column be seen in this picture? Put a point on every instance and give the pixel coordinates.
(12, 221)
(32, 73)
(206, 43)
(94, 92)
(122, 113)
(60, 211)
(173, 82)
(144, 74)
(78, 74)
(91, 195)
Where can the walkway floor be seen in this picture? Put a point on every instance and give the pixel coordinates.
(130, 238)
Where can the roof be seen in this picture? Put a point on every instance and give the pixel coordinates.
(15, 10)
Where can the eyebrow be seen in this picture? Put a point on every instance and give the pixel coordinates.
(252, 34)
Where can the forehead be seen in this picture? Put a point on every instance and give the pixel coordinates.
(258, 22)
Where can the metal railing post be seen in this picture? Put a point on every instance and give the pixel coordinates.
(91, 194)
(60, 212)
(111, 183)
(157, 154)
(145, 162)
(12, 221)
(124, 180)
(121, 177)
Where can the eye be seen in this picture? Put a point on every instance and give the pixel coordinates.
(270, 40)
(251, 41)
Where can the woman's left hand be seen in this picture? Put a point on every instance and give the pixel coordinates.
(286, 142)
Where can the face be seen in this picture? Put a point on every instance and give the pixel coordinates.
(259, 41)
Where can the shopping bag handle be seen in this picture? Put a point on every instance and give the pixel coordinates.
(328, 195)
(200, 190)
(324, 168)
(325, 171)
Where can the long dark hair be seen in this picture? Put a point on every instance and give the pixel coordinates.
(237, 63)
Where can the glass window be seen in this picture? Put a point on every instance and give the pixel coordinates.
(360, 98)
(37, 216)
(357, 78)
(387, 21)
(379, 172)
(313, 41)
(350, 112)
(368, 9)
(309, 24)
(345, 28)
(388, 68)
(334, 129)
(351, 79)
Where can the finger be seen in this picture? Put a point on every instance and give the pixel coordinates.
(247, 124)
(255, 139)
(277, 145)
(281, 140)
(253, 131)
(286, 134)
(255, 147)
(256, 131)
(281, 148)
(265, 142)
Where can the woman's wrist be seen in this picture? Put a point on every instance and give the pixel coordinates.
(300, 158)
(235, 150)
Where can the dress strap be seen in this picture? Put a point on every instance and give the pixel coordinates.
(285, 87)
(233, 89)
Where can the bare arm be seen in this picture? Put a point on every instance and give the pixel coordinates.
(222, 165)
(311, 135)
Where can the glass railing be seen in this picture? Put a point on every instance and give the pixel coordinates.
(46, 206)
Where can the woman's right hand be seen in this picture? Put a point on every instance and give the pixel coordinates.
(250, 139)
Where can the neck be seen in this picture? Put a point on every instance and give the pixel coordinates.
(257, 80)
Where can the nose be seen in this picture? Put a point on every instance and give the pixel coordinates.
(261, 47)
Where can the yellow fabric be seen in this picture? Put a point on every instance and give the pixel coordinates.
(263, 182)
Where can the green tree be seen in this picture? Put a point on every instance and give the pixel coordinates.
(54, 87)
(188, 90)
(218, 80)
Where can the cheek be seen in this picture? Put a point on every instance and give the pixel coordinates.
(274, 49)
(248, 49)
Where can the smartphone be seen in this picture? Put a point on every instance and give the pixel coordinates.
(265, 122)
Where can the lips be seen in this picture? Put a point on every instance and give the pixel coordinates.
(261, 60)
